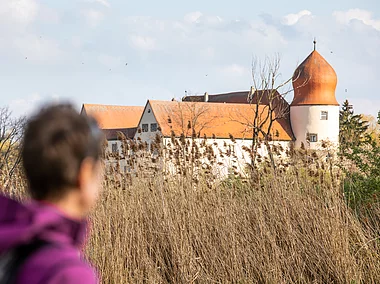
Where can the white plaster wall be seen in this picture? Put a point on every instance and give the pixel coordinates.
(307, 119)
(112, 161)
(147, 118)
(109, 146)
(238, 162)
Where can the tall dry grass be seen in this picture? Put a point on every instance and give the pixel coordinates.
(285, 229)
(293, 227)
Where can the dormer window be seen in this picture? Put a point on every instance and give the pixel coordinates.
(324, 115)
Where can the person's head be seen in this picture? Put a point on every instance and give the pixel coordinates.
(61, 155)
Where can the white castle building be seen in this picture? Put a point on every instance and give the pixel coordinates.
(228, 120)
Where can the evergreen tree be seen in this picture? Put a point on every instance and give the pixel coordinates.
(360, 156)
(352, 130)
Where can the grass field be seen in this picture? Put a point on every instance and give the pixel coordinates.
(290, 227)
(284, 229)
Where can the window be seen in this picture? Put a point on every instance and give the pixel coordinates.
(313, 137)
(153, 127)
(145, 127)
(114, 147)
(324, 115)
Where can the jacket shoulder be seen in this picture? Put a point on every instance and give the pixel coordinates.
(67, 272)
(55, 265)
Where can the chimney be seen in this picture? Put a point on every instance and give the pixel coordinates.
(205, 97)
(253, 90)
(251, 93)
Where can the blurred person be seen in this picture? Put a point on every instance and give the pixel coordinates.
(40, 240)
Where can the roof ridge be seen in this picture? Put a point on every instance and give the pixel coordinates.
(111, 105)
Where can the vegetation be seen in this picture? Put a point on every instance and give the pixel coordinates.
(293, 228)
(11, 130)
(374, 127)
(360, 162)
(353, 128)
(312, 219)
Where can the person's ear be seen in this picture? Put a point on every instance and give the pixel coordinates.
(89, 182)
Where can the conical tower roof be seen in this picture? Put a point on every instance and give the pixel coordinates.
(314, 82)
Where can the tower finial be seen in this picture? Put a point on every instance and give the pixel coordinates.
(315, 44)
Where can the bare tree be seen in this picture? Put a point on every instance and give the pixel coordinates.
(190, 118)
(188, 122)
(267, 98)
(11, 130)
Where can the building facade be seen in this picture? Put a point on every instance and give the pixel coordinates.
(229, 123)
(314, 111)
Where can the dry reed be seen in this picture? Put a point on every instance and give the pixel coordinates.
(289, 227)
(285, 229)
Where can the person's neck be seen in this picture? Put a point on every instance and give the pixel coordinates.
(69, 205)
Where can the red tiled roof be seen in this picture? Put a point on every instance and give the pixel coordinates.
(219, 120)
(314, 82)
(114, 117)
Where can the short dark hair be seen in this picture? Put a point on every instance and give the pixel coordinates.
(56, 141)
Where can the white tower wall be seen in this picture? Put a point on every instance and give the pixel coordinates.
(308, 120)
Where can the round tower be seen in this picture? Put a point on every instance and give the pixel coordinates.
(314, 111)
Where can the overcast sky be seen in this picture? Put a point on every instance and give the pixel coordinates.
(124, 52)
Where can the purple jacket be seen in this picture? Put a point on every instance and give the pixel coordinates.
(57, 262)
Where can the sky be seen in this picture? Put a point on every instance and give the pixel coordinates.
(125, 52)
